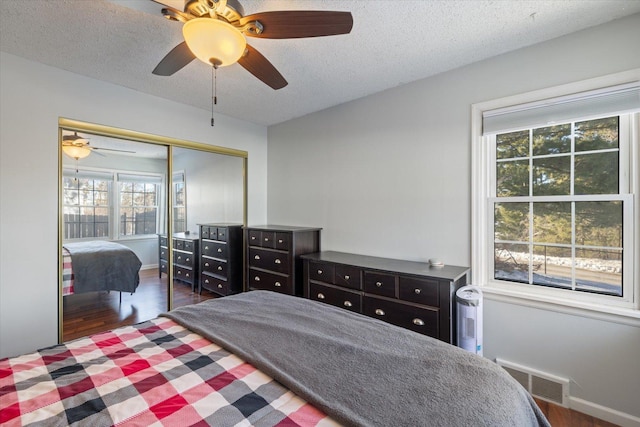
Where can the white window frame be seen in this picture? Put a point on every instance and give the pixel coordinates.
(114, 205)
(625, 310)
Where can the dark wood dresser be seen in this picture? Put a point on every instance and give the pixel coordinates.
(186, 254)
(221, 258)
(273, 256)
(409, 294)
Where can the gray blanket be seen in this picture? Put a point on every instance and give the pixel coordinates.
(103, 266)
(359, 370)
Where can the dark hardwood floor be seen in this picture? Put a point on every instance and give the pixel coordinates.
(86, 314)
(563, 417)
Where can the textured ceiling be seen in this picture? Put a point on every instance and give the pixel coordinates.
(392, 43)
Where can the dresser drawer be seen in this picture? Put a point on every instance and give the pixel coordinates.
(269, 260)
(178, 244)
(164, 253)
(183, 273)
(270, 281)
(222, 234)
(188, 245)
(283, 241)
(183, 258)
(207, 232)
(254, 238)
(421, 320)
(338, 297)
(380, 283)
(214, 249)
(164, 267)
(321, 272)
(214, 284)
(163, 241)
(268, 239)
(214, 266)
(421, 291)
(348, 276)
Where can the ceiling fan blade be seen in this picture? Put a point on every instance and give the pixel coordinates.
(255, 63)
(291, 24)
(174, 60)
(111, 149)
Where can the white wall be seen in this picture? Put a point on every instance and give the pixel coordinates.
(389, 175)
(33, 97)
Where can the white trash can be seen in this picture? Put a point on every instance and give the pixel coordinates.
(469, 321)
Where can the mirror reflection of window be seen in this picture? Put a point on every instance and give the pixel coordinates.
(179, 202)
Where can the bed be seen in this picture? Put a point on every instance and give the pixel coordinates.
(262, 359)
(99, 266)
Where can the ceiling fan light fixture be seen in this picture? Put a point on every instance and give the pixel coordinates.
(214, 42)
(76, 151)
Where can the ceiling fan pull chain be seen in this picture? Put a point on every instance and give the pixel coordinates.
(214, 89)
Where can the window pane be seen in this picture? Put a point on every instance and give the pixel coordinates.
(552, 140)
(512, 178)
(511, 262)
(512, 221)
(514, 144)
(552, 266)
(126, 199)
(552, 222)
(101, 198)
(599, 224)
(599, 271)
(126, 186)
(150, 199)
(552, 176)
(138, 199)
(596, 173)
(149, 188)
(138, 186)
(597, 134)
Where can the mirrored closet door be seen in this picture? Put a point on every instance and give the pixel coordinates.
(131, 206)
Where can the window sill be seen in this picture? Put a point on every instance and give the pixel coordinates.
(625, 316)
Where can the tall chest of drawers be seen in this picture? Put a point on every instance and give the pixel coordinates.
(409, 294)
(186, 254)
(221, 258)
(273, 256)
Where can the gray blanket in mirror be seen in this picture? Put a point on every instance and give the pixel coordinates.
(359, 370)
(103, 266)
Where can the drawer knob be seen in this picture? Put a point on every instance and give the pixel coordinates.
(256, 257)
(206, 248)
(280, 240)
(277, 261)
(219, 250)
(348, 304)
(378, 284)
(278, 284)
(257, 278)
(379, 312)
(206, 264)
(320, 295)
(319, 271)
(219, 286)
(417, 291)
(206, 281)
(219, 268)
(346, 277)
(418, 322)
(266, 239)
(188, 259)
(187, 274)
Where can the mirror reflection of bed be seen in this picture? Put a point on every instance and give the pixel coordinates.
(115, 204)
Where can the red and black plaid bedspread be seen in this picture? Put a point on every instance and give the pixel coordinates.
(153, 373)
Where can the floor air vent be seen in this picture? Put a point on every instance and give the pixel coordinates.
(539, 384)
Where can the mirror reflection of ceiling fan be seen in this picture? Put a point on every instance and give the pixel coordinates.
(77, 147)
(214, 32)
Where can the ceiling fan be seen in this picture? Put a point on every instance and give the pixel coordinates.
(77, 147)
(215, 30)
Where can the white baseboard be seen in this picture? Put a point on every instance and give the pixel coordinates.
(149, 266)
(602, 412)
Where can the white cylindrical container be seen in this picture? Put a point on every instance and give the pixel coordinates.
(469, 318)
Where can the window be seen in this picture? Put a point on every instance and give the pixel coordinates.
(179, 206)
(109, 205)
(558, 213)
(555, 184)
(86, 205)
